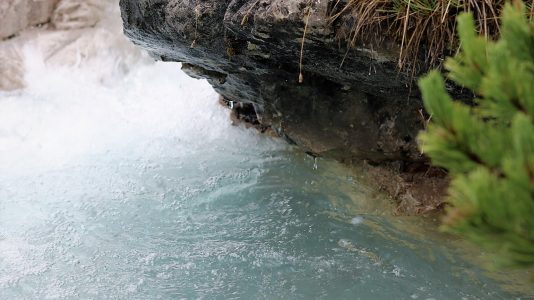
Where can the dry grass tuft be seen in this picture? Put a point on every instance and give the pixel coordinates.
(424, 28)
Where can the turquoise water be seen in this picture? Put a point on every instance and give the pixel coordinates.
(138, 187)
(239, 225)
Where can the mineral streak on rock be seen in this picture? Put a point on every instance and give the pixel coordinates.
(249, 50)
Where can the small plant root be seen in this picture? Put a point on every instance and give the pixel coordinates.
(249, 11)
(197, 16)
(308, 13)
(425, 122)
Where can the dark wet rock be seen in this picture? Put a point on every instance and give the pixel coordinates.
(250, 50)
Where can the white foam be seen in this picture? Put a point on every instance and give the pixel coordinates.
(112, 99)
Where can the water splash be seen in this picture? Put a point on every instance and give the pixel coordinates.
(72, 111)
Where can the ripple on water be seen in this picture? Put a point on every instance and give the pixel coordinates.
(231, 230)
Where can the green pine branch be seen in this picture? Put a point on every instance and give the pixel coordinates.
(488, 147)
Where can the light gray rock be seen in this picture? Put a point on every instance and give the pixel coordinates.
(11, 66)
(80, 42)
(75, 14)
(17, 15)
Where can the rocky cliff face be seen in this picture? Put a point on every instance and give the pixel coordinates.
(74, 33)
(249, 50)
(16, 15)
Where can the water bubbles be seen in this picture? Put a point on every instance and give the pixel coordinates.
(357, 220)
(344, 243)
(396, 271)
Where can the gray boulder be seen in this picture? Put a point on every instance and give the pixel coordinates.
(250, 52)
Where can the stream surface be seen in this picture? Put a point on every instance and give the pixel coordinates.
(136, 186)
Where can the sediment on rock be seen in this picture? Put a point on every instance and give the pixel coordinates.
(415, 188)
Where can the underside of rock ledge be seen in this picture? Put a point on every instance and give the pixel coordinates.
(351, 104)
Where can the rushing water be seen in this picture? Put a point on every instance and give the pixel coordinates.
(136, 186)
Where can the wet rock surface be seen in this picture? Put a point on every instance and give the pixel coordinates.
(250, 51)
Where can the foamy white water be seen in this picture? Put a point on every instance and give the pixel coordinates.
(69, 113)
(122, 178)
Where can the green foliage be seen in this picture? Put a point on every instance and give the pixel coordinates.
(488, 147)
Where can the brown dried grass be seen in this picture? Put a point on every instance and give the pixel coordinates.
(424, 29)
